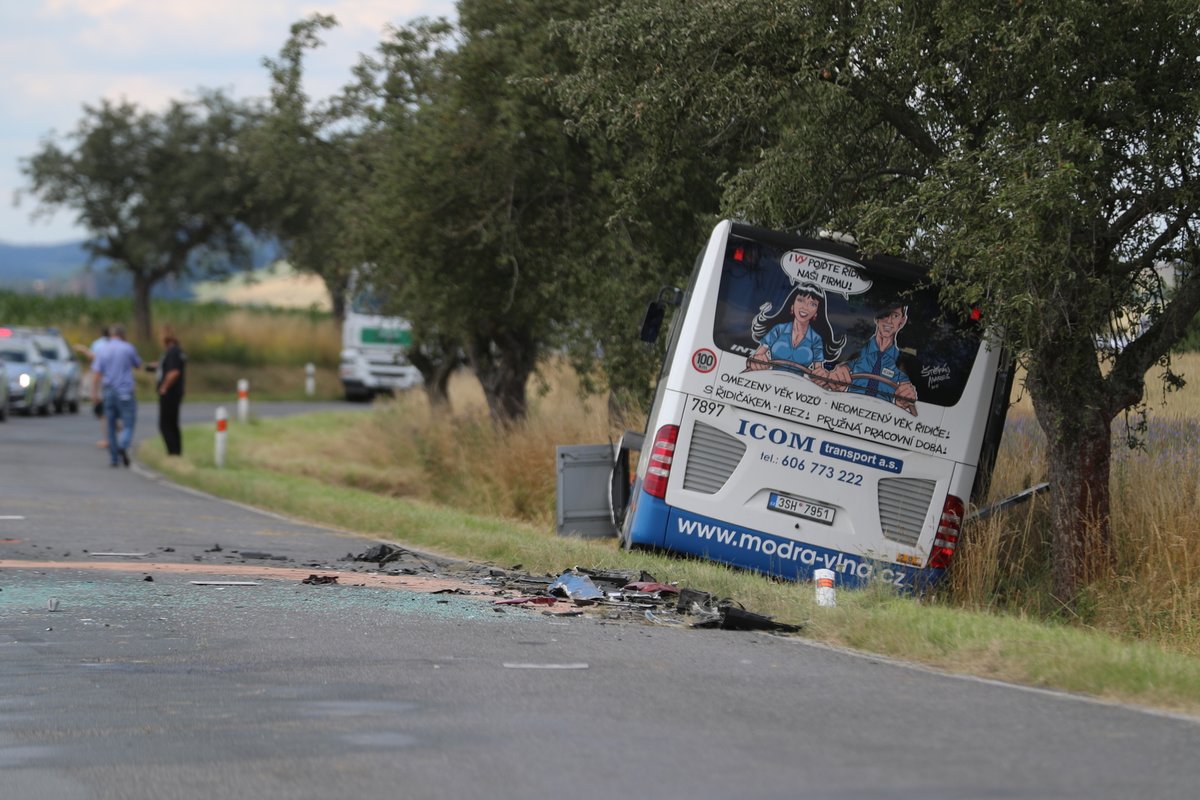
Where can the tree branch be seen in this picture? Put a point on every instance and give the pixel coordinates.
(1125, 384)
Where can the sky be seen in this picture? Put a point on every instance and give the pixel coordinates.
(56, 56)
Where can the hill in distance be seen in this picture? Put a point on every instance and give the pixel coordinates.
(63, 269)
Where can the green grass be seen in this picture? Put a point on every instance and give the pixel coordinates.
(304, 482)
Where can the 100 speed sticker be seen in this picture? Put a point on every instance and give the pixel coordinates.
(704, 360)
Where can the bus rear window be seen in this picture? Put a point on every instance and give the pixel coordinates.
(826, 315)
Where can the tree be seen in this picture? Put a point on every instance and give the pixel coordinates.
(310, 162)
(403, 76)
(158, 193)
(1044, 158)
(486, 202)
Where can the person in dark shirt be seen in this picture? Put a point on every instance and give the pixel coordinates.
(171, 368)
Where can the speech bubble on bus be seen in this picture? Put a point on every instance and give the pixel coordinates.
(829, 272)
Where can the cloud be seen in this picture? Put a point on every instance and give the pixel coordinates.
(57, 55)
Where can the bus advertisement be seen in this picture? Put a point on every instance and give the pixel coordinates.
(817, 409)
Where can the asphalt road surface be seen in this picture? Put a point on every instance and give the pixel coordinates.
(163, 688)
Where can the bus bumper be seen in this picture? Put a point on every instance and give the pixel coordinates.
(714, 540)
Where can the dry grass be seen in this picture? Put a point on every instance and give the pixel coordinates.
(461, 458)
(1154, 591)
(254, 337)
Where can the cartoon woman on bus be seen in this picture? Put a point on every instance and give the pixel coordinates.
(875, 370)
(798, 337)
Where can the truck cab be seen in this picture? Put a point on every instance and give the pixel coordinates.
(375, 347)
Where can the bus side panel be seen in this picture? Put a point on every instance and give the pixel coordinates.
(646, 522)
(715, 540)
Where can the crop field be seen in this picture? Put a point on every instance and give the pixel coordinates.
(223, 343)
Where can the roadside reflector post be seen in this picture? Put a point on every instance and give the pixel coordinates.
(219, 444)
(310, 379)
(825, 591)
(243, 407)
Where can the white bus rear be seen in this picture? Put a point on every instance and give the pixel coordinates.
(816, 409)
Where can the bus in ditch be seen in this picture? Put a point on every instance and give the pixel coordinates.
(816, 409)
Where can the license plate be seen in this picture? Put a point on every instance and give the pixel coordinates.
(800, 508)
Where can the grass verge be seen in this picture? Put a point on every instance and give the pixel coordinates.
(298, 466)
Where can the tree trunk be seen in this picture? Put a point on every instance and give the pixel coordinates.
(1079, 502)
(337, 289)
(436, 360)
(503, 365)
(438, 389)
(142, 324)
(1074, 416)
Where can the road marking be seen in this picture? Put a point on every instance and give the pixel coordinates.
(10, 516)
(545, 666)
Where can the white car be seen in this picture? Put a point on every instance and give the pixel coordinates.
(64, 370)
(29, 383)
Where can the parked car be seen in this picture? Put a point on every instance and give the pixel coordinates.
(3, 390)
(29, 383)
(65, 374)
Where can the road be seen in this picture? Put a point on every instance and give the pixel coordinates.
(162, 688)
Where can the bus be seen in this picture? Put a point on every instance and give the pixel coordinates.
(816, 409)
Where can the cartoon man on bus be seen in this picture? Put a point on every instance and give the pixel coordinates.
(797, 337)
(875, 371)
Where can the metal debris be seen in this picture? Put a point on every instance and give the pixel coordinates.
(577, 587)
(320, 580)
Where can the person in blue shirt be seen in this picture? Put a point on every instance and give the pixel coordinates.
(875, 370)
(114, 366)
(797, 337)
(91, 353)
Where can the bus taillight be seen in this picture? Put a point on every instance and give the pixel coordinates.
(661, 456)
(948, 529)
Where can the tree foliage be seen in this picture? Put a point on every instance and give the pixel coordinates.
(159, 193)
(310, 161)
(485, 205)
(1044, 158)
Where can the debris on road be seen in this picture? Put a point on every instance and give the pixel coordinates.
(52, 604)
(216, 548)
(255, 554)
(121, 555)
(320, 580)
(576, 587)
(734, 618)
(651, 587)
(225, 583)
(633, 596)
(385, 554)
(536, 600)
